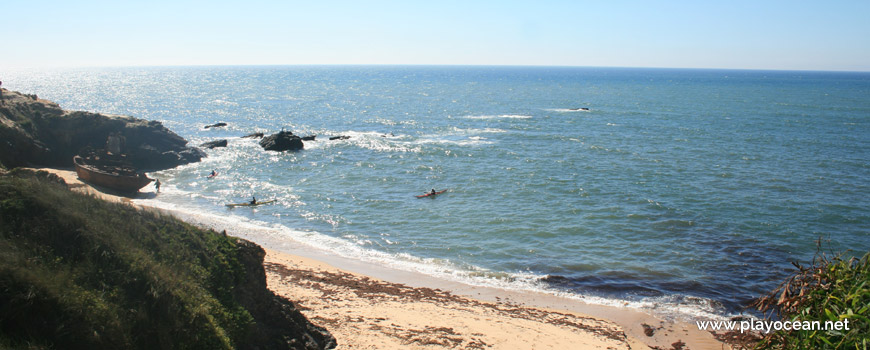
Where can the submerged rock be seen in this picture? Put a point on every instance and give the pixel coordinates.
(213, 144)
(282, 141)
(342, 137)
(255, 135)
(215, 125)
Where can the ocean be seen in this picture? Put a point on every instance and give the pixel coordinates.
(683, 191)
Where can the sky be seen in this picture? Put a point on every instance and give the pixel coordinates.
(736, 34)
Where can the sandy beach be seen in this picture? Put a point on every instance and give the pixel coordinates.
(364, 312)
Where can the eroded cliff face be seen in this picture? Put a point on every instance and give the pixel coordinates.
(279, 323)
(39, 132)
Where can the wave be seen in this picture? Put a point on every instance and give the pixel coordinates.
(372, 140)
(377, 141)
(568, 110)
(224, 102)
(277, 235)
(503, 116)
(470, 141)
(472, 131)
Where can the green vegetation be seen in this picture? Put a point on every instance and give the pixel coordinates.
(77, 272)
(831, 290)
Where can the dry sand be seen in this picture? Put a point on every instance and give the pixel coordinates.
(367, 313)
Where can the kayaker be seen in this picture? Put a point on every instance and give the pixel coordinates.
(433, 192)
(213, 174)
(254, 200)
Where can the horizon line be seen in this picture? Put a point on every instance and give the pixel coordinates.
(425, 65)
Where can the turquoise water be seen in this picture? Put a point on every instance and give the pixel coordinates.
(685, 188)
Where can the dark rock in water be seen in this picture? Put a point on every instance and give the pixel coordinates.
(215, 125)
(255, 135)
(579, 109)
(555, 280)
(308, 138)
(342, 137)
(39, 132)
(213, 144)
(282, 141)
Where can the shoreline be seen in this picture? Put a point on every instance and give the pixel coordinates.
(367, 306)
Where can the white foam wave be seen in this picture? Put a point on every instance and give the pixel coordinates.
(377, 141)
(224, 102)
(567, 110)
(353, 248)
(503, 116)
(472, 131)
(471, 141)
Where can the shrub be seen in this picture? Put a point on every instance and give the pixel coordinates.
(80, 273)
(831, 289)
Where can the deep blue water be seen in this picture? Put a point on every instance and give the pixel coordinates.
(678, 188)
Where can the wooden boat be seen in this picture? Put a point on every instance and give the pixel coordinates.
(112, 175)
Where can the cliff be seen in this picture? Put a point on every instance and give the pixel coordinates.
(38, 132)
(77, 272)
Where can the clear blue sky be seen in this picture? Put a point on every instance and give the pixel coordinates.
(751, 34)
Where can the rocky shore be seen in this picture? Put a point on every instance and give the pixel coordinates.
(81, 272)
(39, 132)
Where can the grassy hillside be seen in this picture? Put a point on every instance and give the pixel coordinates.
(77, 272)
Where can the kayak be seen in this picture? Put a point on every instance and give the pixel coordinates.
(430, 194)
(249, 204)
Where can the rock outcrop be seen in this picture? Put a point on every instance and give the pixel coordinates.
(38, 132)
(215, 143)
(216, 125)
(280, 323)
(255, 135)
(282, 141)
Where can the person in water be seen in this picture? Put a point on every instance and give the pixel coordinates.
(157, 185)
(253, 200)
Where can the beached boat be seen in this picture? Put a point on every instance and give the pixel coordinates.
(112, 175)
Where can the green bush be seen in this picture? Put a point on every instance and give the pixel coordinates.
(832, 289)
(77, 272)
